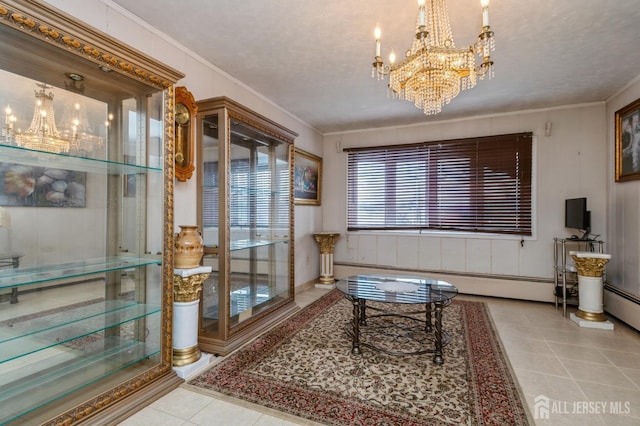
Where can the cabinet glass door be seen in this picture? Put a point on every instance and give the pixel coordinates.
(245, 214)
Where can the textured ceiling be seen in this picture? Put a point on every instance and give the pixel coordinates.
(313, 58)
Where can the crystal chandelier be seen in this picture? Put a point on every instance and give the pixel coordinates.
(434, 71)
(42, 134)
(75, 135)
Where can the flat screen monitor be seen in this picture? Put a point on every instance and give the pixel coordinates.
(576, 215)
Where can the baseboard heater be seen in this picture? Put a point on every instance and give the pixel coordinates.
(623, 305)
(493, 285)
(625, 295)
(453, 273)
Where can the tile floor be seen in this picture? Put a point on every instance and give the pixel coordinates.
(587, 375)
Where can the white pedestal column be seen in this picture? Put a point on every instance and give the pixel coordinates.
(326, 241)
(187, 289)
(590, 268)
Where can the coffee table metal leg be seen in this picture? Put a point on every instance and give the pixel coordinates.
(355, 342)
(437, 354)
(363, 312)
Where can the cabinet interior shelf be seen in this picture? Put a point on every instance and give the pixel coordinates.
(30, 275)
(66, 371)
(52, 330)
(239, 245)
(30, 157)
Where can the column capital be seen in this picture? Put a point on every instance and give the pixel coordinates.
(326, 241)
(189, 288)
(590, 264)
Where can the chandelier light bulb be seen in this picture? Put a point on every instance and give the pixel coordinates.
(485, 12)
(8, 110)
(377, 33)
(392, 57)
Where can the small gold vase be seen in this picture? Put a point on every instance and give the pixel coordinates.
(188, 247)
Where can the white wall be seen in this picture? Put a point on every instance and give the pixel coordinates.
(204, 80)
(569, 163)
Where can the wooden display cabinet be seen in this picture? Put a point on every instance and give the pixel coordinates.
(245, 209)
(86, 165)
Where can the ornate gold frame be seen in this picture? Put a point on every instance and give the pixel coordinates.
(304, 164)
(185, 167)
(627, 121)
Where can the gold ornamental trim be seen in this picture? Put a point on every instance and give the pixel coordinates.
(167, 252)
(591, 316)
(126, 62)
(326, 242)
(94, 405)
(186, 356)
(188, 289)
(590, 266)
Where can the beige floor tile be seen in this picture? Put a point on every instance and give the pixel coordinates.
(579, 353)
(619, 420)
(536, 346)
(267, 420)
(614, 399)
(598, 374)
(622, 359)
(554, 387)
(151, 416)
(224, 413)
(529, 361)
(182, 403)
(632, 374)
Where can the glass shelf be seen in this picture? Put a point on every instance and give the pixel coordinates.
(24, 276)
(66, 371)
(246, 244)
(58, 334)
(30, 157)
(36, 325)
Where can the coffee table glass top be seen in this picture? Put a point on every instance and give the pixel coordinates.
(397, 288)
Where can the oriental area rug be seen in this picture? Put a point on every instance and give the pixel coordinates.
(304, 367)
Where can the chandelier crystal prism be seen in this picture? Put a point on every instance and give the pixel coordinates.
(434, 71)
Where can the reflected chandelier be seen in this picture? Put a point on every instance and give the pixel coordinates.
(434, 71)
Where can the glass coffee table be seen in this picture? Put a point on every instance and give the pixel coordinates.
(397, 331)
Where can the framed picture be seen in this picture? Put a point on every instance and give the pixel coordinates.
(628, 142)
(31, 186)
(307, 178)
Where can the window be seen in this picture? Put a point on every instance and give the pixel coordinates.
(466, 185)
